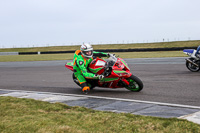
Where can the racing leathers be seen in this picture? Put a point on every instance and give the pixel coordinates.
(80, 64)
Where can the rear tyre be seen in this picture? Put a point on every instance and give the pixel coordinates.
(192, 67)
(135, 84)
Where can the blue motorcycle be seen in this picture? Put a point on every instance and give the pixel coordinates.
(192, 63)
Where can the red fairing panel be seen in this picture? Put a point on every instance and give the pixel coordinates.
(97, 63)
(69, 67)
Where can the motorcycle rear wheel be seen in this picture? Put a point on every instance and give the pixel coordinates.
(135, 84)
(192, 67)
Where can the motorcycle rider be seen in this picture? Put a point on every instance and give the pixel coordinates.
(197, 54)
(82, 59)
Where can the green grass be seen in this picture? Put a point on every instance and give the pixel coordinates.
(45, 57)
(194, 43)
(157, 54)
(27, 115)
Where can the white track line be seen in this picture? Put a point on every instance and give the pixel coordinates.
(109, 98)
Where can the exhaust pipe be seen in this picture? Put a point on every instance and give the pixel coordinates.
(192, 62)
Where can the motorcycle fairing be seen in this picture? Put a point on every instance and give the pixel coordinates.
(69, 65)
(109, 82)
(124, 63)
(96, 65)
(120, 72)
(95, 70)
(108, 79)
(190, 52)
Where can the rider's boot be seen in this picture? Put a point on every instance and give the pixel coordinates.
(86, 89)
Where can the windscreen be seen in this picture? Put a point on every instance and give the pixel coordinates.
(111, 61)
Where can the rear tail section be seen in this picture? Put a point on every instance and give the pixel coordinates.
(69, 65)
(190, 52)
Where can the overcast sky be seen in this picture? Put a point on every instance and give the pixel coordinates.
(63, 22)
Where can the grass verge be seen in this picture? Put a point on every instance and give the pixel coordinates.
(27, 115)
(45, 57)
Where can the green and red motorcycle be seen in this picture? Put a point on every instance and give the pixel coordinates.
(116, 74)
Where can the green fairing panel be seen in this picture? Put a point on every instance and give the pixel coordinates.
(95, 70)
(109, 79)
(125, 64)
(119, 71)
(70, 63)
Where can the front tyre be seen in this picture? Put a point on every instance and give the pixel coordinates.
(192, 67)
(135, 84)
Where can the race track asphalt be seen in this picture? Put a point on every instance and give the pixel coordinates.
(165, 80)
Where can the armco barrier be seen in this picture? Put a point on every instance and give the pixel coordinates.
(27, 53)
(8, 53)
(114, 50)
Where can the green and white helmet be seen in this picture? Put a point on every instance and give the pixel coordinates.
(85, 48)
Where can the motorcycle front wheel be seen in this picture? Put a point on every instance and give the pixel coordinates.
(192, 67)
(135, 84)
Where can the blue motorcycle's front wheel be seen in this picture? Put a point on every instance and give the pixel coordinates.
(135, 84)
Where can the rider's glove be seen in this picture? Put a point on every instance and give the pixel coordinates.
(100, 77)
